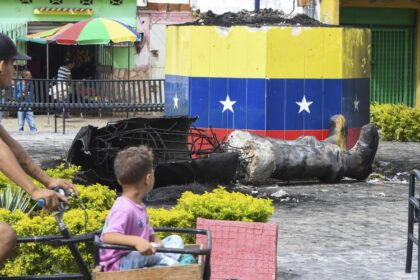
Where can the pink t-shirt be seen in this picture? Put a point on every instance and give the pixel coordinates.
(129, 218)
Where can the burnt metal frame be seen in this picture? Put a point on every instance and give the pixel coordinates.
(205, 252)
(200, 143)
(413, 217)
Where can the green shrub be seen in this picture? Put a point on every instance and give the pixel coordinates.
(13, 198)
(223, 205)
(218, 204)
(35, 259)
(173, 218)
(94, 197)
(63, 172)
(396, 122)
(30, 258)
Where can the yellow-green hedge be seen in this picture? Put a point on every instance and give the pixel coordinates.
(30, 258)
(35, 259)
(396, 122)
(218, 204)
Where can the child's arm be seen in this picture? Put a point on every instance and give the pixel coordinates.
(141, 244)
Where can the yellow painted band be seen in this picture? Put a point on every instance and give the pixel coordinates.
(268, 52)
(40, 12)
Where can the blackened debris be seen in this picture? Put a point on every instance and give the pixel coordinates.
(254, 18)
(182, 154)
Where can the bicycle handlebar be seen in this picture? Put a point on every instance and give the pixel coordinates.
(62, 206)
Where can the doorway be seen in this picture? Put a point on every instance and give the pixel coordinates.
(83, 56)
(393, 72)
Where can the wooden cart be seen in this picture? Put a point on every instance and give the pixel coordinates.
(198, 271)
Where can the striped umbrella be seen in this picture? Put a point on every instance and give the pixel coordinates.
(98, 31)
(45, 37)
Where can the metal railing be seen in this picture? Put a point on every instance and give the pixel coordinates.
(84, 95)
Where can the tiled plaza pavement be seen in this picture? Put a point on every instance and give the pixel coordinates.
(345, 231)
(46, 147)
(351, 230)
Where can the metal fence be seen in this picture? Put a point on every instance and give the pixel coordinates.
(61, 97)
(42, 95)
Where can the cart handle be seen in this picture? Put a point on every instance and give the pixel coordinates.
(207, 251)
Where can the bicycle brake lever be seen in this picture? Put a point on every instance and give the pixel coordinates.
(62, 206)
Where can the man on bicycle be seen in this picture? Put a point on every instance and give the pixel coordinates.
(15, 163)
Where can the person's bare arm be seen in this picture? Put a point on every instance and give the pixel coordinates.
(29, 166)
(11, 168)
(141, 244)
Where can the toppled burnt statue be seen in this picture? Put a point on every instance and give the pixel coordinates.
(182, 155)
(263, 157)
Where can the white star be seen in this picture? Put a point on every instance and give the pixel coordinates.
(356, 104)
(227, 104)
(304, 105)
(176, 99)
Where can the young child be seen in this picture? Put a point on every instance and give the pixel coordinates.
(128, 223)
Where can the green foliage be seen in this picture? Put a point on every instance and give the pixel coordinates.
(63, 172)
(218, 204)
(35, 259)
(173, 218)
(223, 205)
(13, 198)
(94, 197)
(396, 122)
(32, 258)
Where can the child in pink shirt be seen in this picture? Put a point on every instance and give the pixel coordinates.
(128, 223)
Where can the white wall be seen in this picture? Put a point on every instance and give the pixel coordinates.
(222, 6)
(283, 5)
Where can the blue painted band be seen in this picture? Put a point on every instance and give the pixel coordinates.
(268, 104)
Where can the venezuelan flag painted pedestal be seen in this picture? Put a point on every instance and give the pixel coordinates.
(274, 81)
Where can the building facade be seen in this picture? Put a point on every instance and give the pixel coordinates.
(21, 17)
(395, 46)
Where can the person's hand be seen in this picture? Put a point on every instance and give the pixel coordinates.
(144, 247)
(51, 198)
(56, 182)
(157, 244)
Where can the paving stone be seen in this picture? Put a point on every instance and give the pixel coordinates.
(349, 232)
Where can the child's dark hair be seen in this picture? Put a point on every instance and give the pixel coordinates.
(132, 164)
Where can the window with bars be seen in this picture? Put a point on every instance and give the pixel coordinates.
(115, 2)
(56, 2)
(86, 2)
